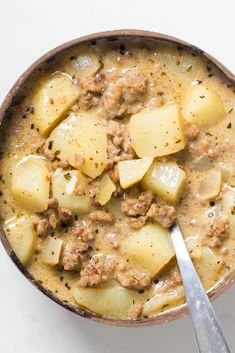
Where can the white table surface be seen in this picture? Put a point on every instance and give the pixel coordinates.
(30, 322)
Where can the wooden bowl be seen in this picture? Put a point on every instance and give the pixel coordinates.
(111, 36)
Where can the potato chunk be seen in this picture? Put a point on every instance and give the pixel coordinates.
(166, 180)
(21, 236)
(105, 189)
(112, 302)
(64, 185)
(31, 183)
(150, 247)
(131, 172)
(52, 101)
(209, 266)
(161, 300)
(81, 140)
(51, 251)
(82, 62)
(210, 185)
(202, 106)
(156, 132)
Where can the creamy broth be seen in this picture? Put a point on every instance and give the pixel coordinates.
(100, 227)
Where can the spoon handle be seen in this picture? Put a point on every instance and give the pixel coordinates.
(208, 333)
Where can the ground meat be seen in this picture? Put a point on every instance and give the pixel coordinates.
(93, 274)
(93, 189)
(124, 94)
(101, 216)
(82, 232)
(217, 232)
(132, 278)
(204, 147)
(163, 214)
(52, 203)
(114, 174)
(137, 206)
(119, 144)
(191, 131)
(100, 269)
(41, 226)
(79, 160)
(47, 152)
(53, 218)
(74, 254)
(94, 84)
(59, 164)
(137, 222)
(65, 216)
(135, 311)
(79, 191)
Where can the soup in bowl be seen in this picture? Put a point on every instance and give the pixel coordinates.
(105, 141)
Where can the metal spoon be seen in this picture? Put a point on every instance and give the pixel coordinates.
(207, 330)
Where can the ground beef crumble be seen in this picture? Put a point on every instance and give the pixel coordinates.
(124, 93)
(100, 269)
(163, 214)
(101, 216)
(137, 206)
(74, 254)
(217, 232)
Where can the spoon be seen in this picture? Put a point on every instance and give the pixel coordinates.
(207, 330)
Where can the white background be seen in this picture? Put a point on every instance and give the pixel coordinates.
(30, 322)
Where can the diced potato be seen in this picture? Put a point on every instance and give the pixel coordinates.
(209, 266)
(64, 184)
(105, 189)
(166, 180)
(160, 301)
(82, 62)
(31, 183)
(210, 185)
(181, 64)
(52, 101)
(111, 302)
(202, 106)
(131, 172)
(21, 236)
(81, 135)
(156, 132)
(150, 247)
(51, 251)
(193, 247)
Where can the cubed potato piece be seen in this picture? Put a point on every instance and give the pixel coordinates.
(64, 185)
(82, 62)
(166, 180)
(156, 132)
(131, 172)
(209, 266)
(180, 63)
(150, 247)
(163, 300)
(31, 183)
(209, 186)
(52, 101)
(51, 251)
(21, 236)
(193, 247)
(111, 302)
(81, 135)
(106, 187)
(202, 106)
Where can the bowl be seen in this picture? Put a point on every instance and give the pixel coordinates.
(111, 36)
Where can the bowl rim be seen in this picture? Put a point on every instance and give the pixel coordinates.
(112, 35)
